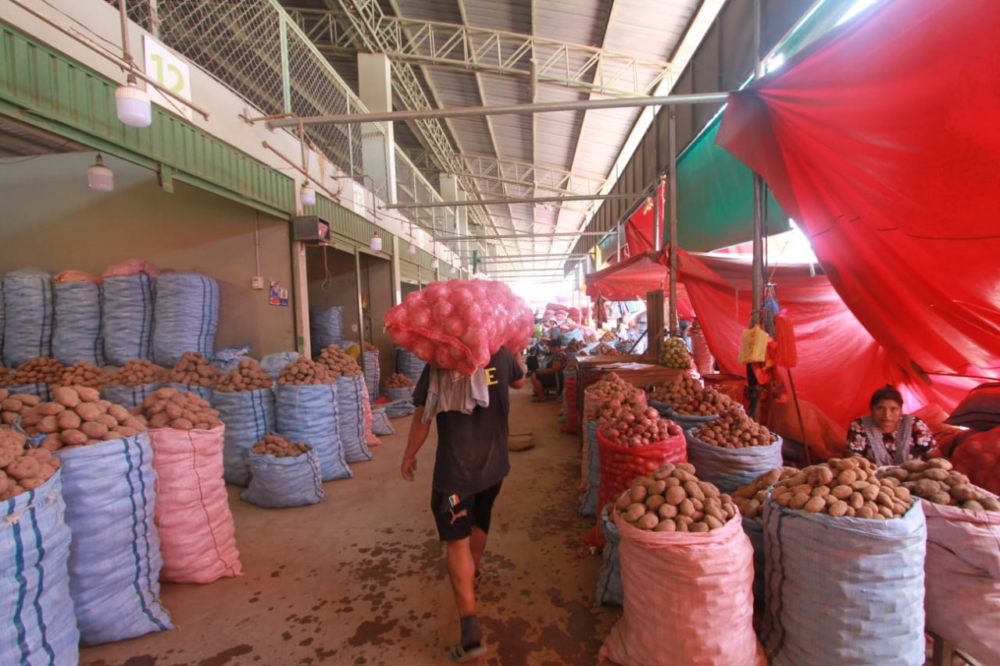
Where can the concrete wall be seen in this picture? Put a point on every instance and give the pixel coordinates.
(51, 220)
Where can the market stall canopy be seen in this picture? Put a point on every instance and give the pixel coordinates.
(881, 140)
(633, 278)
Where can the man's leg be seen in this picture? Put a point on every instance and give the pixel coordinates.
(455, 527)
(462, 572)
(477, 544)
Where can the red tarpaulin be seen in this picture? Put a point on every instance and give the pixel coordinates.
(882, 142)
(632, 279)
(639, 230)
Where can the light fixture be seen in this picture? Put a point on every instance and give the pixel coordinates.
(132, 104)
(376, 243)
(307, 195)
(435, 263)
(412, 249)
(99, 177)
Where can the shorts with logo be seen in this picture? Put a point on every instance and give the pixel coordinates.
(454, 523)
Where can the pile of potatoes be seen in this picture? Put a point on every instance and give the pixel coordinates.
(6, 378)
(76, 417)
(640, 426)
(844, 487)
(82, 374)
(672, 499)
(608, 336)
(280, 447)
(12, 405)
(247, 376)
(750, 498)
(679, 390)
(137, 372)
(575, 345)
(22, 469)
(610, 386)
(397, 380)
(169, 408)
(39, 371)
(936, 481)
(338, 362)
(193, 369)
(674, 353)
(303, 372)
(735, 430)
(604, 349)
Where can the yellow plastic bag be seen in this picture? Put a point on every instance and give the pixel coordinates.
(354, 351)
(754, 348)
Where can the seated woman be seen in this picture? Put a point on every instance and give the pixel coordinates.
(550, 377)
(888, 436)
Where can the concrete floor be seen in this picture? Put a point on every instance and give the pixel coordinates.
(360, 578)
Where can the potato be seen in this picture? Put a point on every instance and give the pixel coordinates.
(964, 492)
(66, 397)
(94, 430)
(647, 521)
(87, 411)
(675, 495)
(666, 525)
(24, 467)
(634, 512)
(73, 437)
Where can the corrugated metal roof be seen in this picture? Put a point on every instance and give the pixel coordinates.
(585, 143)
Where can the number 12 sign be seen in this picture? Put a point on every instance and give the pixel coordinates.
(171, 72)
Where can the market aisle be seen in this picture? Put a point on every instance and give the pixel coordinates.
(361, 579)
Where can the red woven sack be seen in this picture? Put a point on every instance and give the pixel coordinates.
(620, 465)
(572, 424)
(978, 457)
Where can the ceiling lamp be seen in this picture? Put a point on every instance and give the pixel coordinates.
(435, 263)
(376, 243)
(307, 195)
(99, 177)
(132, 104)
(412, 249)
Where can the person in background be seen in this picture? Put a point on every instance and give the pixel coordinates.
(887, 436)
(470, 465)
(550, 377)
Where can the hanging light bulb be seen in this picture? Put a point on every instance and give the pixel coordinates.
(132, 104)
(435, 263)
(412, 249)
(99, 177)
(376, 243)
(307, 195)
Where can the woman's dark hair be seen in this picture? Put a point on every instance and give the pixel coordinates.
(887, 392)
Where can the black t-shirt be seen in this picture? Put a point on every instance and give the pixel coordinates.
(472, 448)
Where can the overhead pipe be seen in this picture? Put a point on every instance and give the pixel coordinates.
(474, 111)
(515, 200)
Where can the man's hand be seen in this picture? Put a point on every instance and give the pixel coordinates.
(408, 468)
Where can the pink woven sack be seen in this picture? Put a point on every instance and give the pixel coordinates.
(688, 599)
(132, 267)
(197, 533)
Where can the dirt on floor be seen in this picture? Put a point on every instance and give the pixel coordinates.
(360, 578)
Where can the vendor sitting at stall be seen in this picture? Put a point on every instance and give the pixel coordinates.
(888, 436)
(550, 377)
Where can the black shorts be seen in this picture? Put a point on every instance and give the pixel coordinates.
(548, 380)
(473, 511)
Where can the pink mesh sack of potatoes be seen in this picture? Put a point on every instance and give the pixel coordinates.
(459, 324)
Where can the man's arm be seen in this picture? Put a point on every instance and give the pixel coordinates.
(524, 372)
(418, 435)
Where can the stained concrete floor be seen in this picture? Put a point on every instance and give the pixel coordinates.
(360, 578)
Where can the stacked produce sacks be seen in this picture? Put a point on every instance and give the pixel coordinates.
(409, 365)
(962, 571)
(459, 324)
(306, 409)
(284, 474)
(245, 402)
(197, 534)
(187, 316)
(684, 560)
(326, 326)
(36, 376)
(399, 387)
(838, 537)
(127, 312)
(351, 395)
(193, 373)
(29, 315)
(34, 551)
(77, 318)
(372, 370)
(131, 384)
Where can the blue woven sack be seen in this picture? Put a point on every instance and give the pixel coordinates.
(186, 316)
(288, 481)
(609, 578)
(248, 415)
(729, 469)
(351, 418)
(77, 335)
(309, 414)
(129, 397)
(127, 318)
(29, 313)
(326, 327)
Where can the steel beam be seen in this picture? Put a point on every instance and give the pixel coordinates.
(557, 234)
(504, 202)
(514, 109)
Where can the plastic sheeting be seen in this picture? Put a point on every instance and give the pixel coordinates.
(186, 317)
(197, 533)
(114, 562)
(36, 611)
(309, 414)
(884, 150)
(248, 415)
(273, 364)
(279, 483)
(77, 335)
(28, 316)
(127, 318)
(870, 571)
(703, 575)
